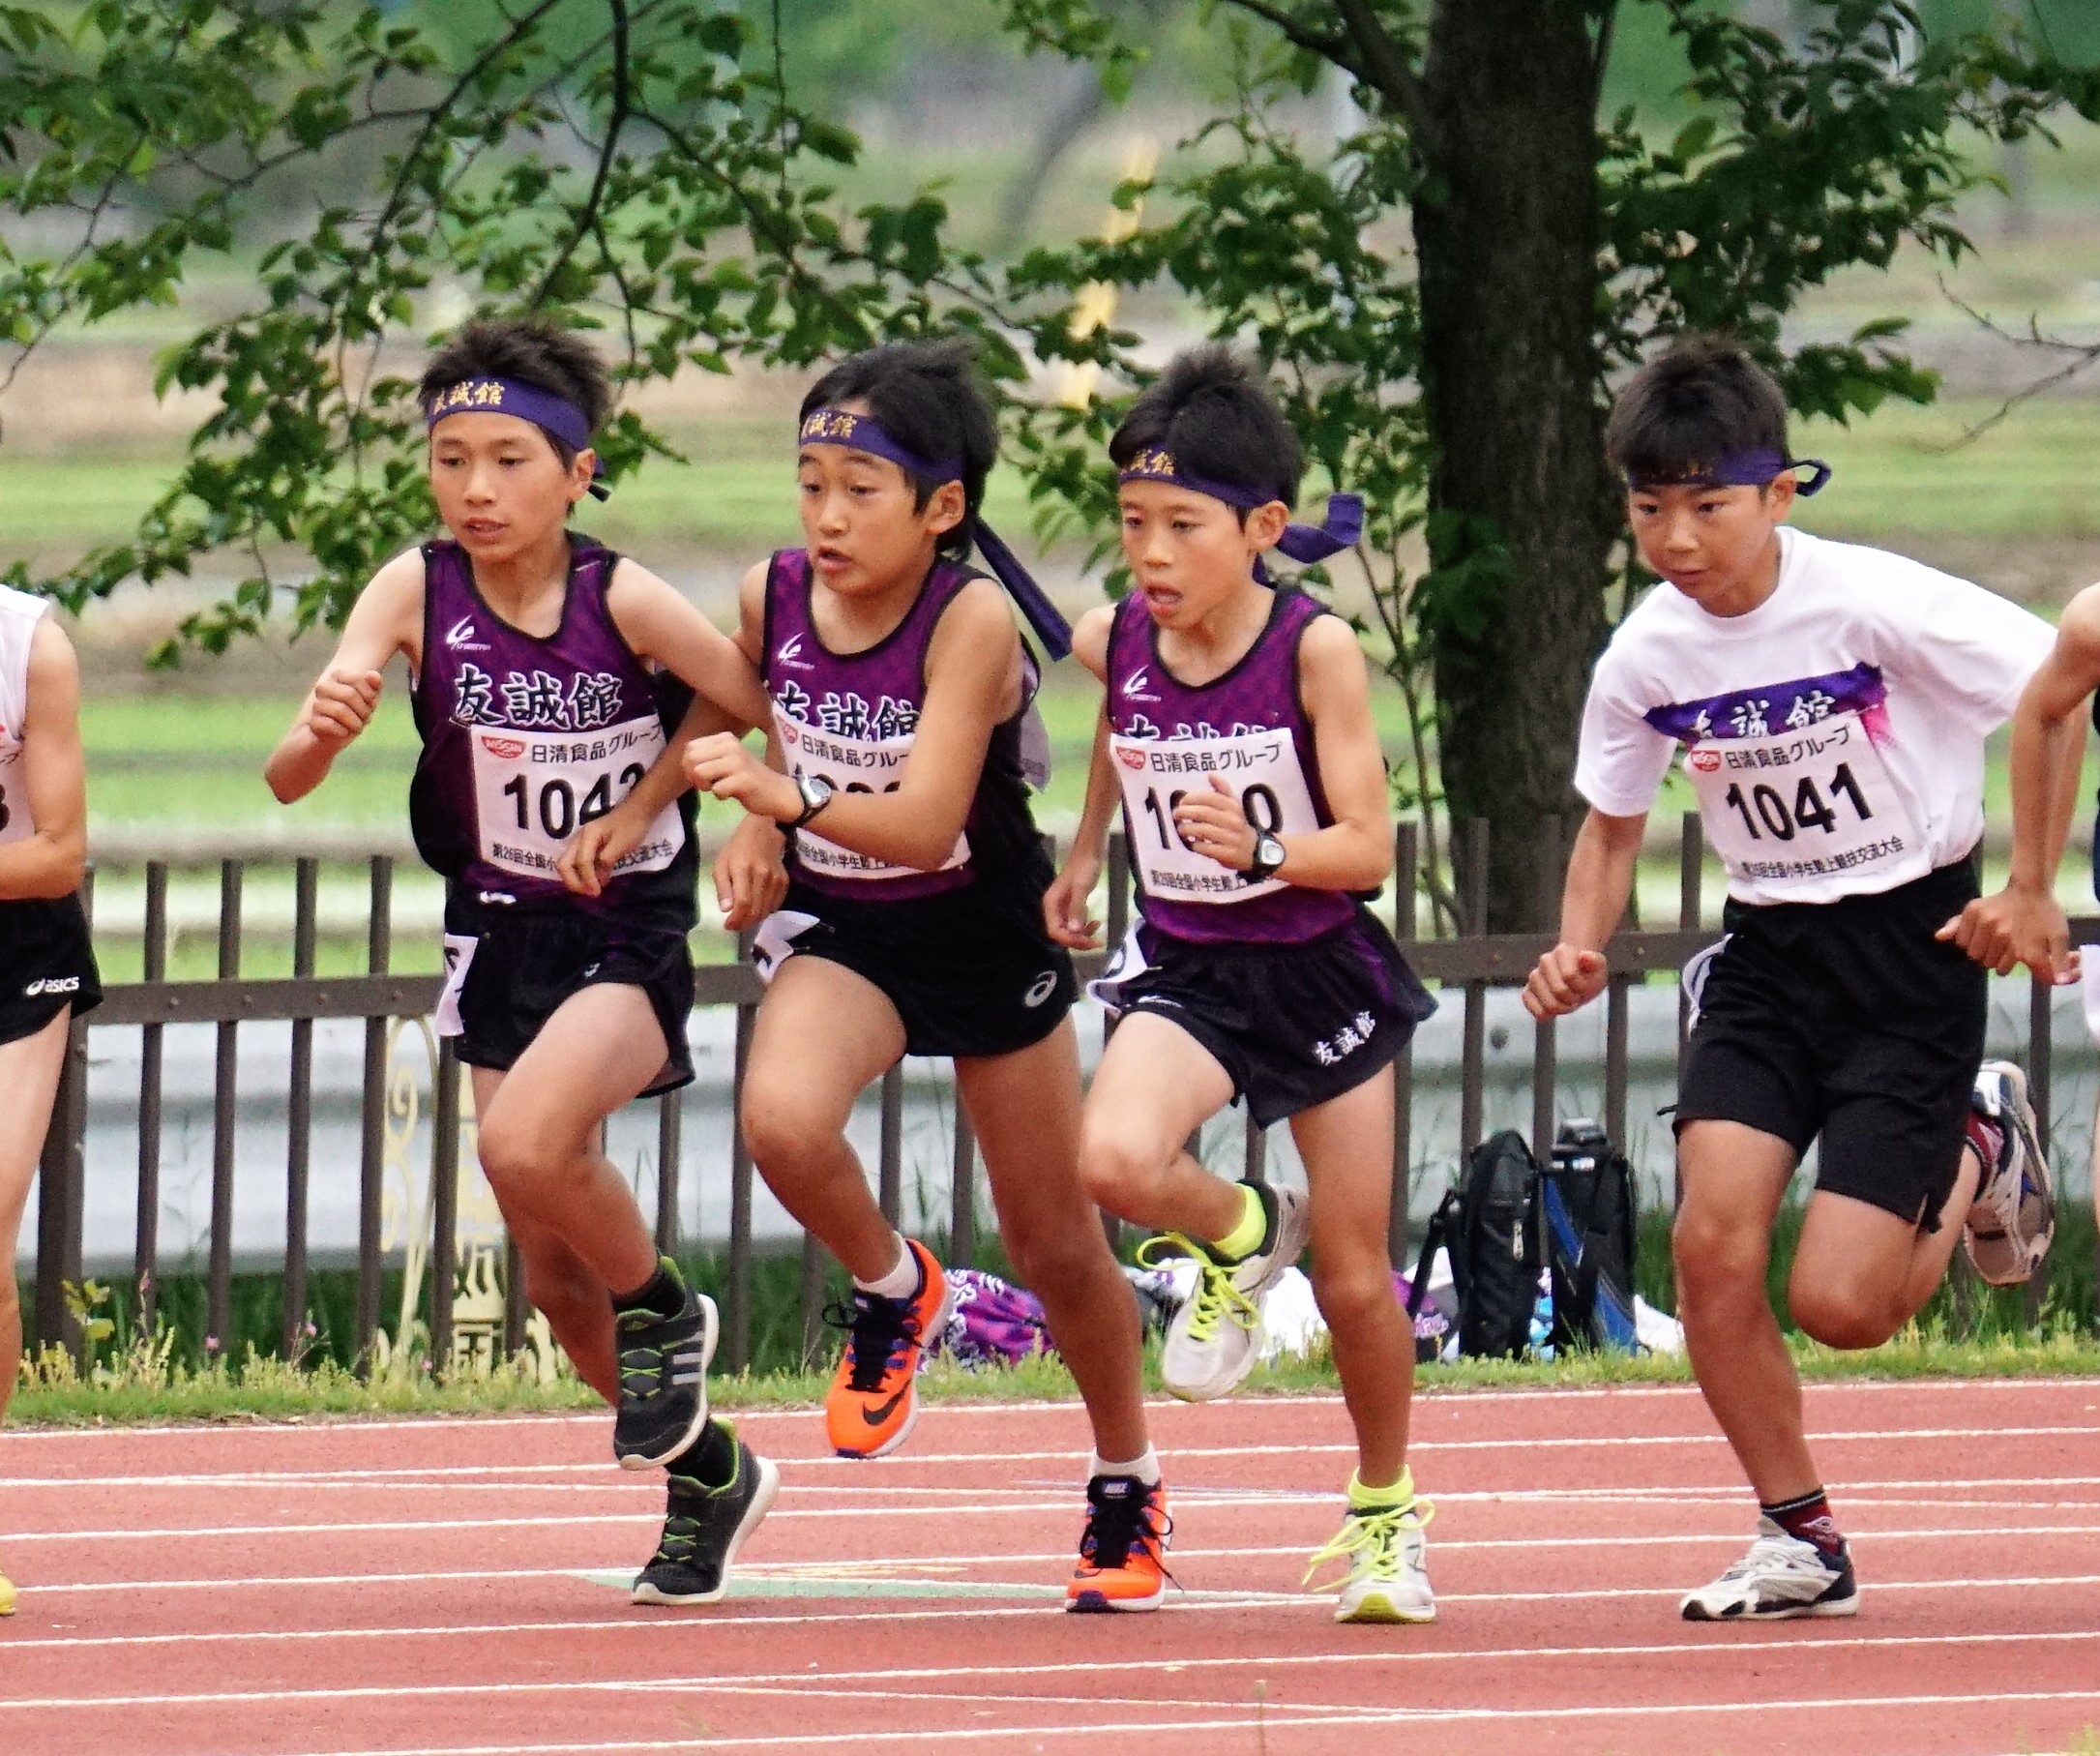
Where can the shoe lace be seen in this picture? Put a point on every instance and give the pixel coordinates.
(1215, 1297)
(1118, 1523)
(681, 1536)
(880, 1334)
(1369, 1540)
(1776, 1555)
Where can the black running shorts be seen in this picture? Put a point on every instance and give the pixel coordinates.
(47, 965)
(1292, 1024)
(1850, 1021)
(972, 972)
(520, 968)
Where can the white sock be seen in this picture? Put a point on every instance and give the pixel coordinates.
(901, 1282)
(1146, 1469)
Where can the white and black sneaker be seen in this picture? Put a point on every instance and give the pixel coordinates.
(1782, 1579)
(1217, 1337)
(664, 1365)
(2013, 1216)
(703, 1528)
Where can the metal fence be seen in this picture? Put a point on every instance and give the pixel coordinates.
(1468, 964)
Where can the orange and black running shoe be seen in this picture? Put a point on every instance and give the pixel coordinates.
(1127, 1534)
(874, 1396)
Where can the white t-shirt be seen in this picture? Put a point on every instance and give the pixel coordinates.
(1834, 734)
(19, 615)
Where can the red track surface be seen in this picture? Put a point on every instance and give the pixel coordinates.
(423, 1586)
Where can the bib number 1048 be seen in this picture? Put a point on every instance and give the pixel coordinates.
(1765, 810)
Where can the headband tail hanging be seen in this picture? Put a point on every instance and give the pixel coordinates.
(1050, 627)
(1341, 529)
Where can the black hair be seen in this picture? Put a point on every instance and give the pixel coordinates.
(1686, 408)
(928, 397)
(534, 350)
(1212, 410)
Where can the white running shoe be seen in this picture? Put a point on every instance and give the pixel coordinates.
(1217, 1336)
(1781, 1578)
(1388, 1562)
(2014, 1213)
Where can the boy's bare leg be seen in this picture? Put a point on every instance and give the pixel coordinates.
(1734, 1178)
(823, 1035)
(579, 1232)
(1861, 1272)
(1347, 1147)
(1156, 1084)
(29, 1070)
(1025, 1109)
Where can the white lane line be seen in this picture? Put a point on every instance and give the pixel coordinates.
(955, 1459)
(890, 1610)
(1428, 1392)
(788, 1681)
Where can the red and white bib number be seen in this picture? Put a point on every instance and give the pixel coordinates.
(535, 789)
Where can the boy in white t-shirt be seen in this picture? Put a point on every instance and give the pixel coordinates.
(1832, 703)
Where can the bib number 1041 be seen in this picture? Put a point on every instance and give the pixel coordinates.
(1765, 810)
(1262, 809)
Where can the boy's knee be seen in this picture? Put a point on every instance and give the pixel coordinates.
(1353, 1294)
(1844, 1317)
(1713, 1254)
(514, 1151)
(781, 1124)
(1115, 1168)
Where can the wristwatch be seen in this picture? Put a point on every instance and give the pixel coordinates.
(1269, 857)
(816, 793)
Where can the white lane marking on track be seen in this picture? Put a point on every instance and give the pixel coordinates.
(1967, 1532)
(789, 1682)
(1428, 1395)
(955, 1458)
(893, 1610)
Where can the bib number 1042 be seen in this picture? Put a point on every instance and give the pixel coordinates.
(1262, 809)
(1765, 810)
(557, 811)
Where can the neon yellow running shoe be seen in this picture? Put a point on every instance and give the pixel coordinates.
(1217, 1336)
(7, 1596)
(1387, 1557)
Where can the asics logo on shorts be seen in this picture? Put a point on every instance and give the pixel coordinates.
(1040, 989)
(460, 637)
(789, 653)
(57, 984)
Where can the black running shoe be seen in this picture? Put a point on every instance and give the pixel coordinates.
(703, 1528)
(662, 1381)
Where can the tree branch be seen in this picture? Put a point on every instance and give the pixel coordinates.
(587, 216)
(1385, 65)
(1327, 46)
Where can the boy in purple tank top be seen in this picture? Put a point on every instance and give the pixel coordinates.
(900, 695)
(1238, 735)
(544, 675)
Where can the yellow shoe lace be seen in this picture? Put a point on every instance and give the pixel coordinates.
(1215, 1297)
(1369, 1542)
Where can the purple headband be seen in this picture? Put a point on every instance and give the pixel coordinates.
(1740, 470)
(864, 433)
(1342, 526)
(555, 416)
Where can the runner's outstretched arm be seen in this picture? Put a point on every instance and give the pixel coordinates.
(50, 862)
(1600, 879)
(2023, 923)
(387, 619)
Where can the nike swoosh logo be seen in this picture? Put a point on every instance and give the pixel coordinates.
(874, 1417)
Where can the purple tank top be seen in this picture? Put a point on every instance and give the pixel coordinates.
(851, 717)
(525, 739)
(1170, 737)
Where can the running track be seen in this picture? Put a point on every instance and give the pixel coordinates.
(447, 1587)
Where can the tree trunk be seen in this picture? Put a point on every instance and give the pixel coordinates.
(1522, 512)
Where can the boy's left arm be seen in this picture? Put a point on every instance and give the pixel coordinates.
(1353, 853)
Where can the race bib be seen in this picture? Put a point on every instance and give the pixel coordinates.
(534, 790)
(849, 764)
(1263, 772)
(15, 822)
(1799, 805)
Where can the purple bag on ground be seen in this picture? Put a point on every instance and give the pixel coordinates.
(991, 1323)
